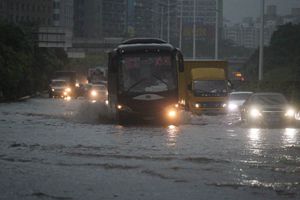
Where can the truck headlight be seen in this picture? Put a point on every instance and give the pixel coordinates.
(255, 113)
(290, 112)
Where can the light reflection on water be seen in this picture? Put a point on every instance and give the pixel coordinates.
(255, 140)
(172, 134)
(289, 136)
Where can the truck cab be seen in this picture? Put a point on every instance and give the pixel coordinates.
(204, 86)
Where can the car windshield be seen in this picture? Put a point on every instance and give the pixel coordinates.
(209, 87)
(147, 73)
(239, 96)
(58, 83)
(269, 100)
(99, 87)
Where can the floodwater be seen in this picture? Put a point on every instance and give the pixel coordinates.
(57, 149)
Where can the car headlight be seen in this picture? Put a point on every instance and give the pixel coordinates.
(255, 113)
(197, 105)
(232, 106)
(94, 93)
(68, 90)
(53, 90)
(290, 113)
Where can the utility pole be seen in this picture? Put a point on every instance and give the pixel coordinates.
(194, 32)
(162, 23)
(180, 28)
(217, 31)
(168, 21)
(261, 46)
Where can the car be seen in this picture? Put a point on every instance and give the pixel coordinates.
(59, 88)
(97, 92)
(237, 99)
(268, 109)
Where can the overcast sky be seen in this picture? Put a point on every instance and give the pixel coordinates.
(235, 10)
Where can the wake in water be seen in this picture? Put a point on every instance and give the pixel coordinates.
(94, 113)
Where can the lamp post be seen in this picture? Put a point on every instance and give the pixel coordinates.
(194, 32)
(217, 31)
(261, 46)
(180, 28)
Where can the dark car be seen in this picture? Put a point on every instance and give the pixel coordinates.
(268, 109)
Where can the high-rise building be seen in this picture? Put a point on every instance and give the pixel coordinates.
(53, 19)
(31, 12)
(97, 19)
(88, 19)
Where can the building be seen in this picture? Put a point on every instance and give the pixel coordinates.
(53, 19)
(142, 18)
(28, 12)
(205, 22)
(246, 33)
(97, 19)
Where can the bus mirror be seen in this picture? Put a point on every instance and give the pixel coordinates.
(189, 87)
(113, 63)
(180, 63)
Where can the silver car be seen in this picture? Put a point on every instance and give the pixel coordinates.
(237, 99)
(268, 109)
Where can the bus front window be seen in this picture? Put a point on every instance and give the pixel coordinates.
(142, 73)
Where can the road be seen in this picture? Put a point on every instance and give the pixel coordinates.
(57, 149)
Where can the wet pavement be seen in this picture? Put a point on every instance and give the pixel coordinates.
(57, 149)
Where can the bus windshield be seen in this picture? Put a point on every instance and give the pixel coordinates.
(142, 73)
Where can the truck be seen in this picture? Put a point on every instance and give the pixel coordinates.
(142, 81)
(203, 86)
(97, 75)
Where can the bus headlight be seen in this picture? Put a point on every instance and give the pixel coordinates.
(290, 113)
(255, 113)
(172, 114)
(94, 93)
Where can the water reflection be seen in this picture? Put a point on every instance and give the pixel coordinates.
(254, 136)
(289, 136)
(172, 134)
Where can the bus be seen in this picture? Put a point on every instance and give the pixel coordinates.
(143, 81)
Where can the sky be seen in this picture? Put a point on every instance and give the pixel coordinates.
(235, 10)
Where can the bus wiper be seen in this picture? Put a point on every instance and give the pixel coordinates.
(158, 78)
(134, 85)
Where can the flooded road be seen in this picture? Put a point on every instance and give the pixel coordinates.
(56, 149)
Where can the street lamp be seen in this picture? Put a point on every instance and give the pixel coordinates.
(261, 46)
(168, 4)
(194, 32)
(217, 31)
(180, 28)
